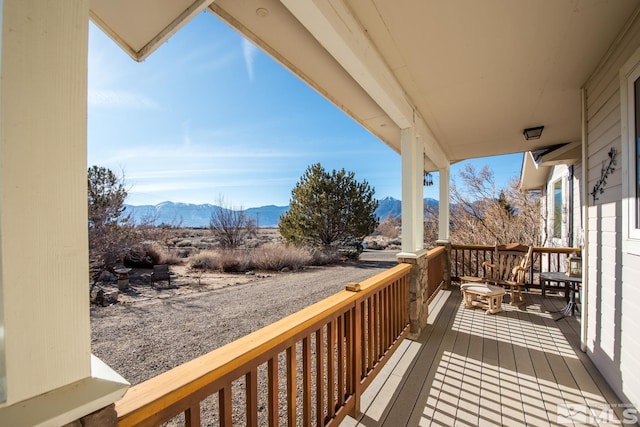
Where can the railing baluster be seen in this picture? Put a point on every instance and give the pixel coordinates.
(251, 392)
(225, 406)
(341, 361)
(306, 381)
(392, 315)
(383, 324)
(387, 332)
(331, 371)
(274, 401)
(376, 328)
(192, 416)
(349, 351)
(548, 262)
(389, 314)
(356, 339)
(320, 349)
(291, 386)
(370, 332)
(477, 263)
(362, 341)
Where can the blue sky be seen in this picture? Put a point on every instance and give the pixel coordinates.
(209, 115)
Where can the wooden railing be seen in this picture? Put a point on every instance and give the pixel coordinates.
(318, 360)
(466, 260)
(435, 270)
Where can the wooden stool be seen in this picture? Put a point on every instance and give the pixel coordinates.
(483, 295)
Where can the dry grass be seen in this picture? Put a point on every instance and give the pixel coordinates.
(268, 257)
(275, 257)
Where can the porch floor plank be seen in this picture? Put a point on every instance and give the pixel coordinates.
(516, 368)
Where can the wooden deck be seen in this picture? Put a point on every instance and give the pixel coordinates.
(470, 369)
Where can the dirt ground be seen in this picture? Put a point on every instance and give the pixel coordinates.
(155, 328)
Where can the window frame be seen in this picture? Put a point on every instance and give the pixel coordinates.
(554, 219)
(629, 74)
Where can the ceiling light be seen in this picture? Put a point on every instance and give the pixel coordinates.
(533, 133)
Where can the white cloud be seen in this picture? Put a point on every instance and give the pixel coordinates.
(120, 99)
(249, 51)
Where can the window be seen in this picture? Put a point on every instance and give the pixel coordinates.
(630, 119)
(557, 209)
(635, 152)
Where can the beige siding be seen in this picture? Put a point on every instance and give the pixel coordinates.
(613, 309)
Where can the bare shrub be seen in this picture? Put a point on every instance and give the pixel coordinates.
(275, 257)
(148, 254)
(226, 260)
(233, 261)
(171, 258)
(231, 227)
(205, 260)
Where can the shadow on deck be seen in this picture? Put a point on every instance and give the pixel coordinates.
(515, 368)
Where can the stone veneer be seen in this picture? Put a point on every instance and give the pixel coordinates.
(418, 290)
(105, 417)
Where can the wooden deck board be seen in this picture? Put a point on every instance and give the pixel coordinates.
(513, 368)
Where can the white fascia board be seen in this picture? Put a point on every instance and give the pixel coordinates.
(532, 175)
(156, 41)
(335, 28)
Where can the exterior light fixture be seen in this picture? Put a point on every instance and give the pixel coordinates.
(533, 133)
(574, 266)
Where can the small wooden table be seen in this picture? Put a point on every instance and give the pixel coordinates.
(570, 282)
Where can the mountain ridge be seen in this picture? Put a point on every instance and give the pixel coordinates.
(198, 215)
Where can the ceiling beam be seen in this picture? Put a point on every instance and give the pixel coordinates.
(335, 28)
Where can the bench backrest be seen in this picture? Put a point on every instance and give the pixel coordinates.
(511, 262)
(161, 272)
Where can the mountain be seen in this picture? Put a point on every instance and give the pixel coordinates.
(192, 215)
(388, 207)
(393, 207)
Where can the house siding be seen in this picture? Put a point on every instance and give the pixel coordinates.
(613, 309)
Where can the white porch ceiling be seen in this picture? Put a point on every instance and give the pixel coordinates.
(469, 75)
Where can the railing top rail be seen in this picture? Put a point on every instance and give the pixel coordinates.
(538, 249)
(472, 247)
(560, 250)
(437, 251)
(174, 385)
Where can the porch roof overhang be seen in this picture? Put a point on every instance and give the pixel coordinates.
(533, 176)
(537, 165)
(468, 76)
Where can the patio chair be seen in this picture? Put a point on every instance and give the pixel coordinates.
(513, 261)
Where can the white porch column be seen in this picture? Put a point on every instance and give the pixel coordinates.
(47, 372)
(443, 210)
(412, 193)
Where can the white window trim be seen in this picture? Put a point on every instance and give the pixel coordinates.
(629, 73)
(552, 202)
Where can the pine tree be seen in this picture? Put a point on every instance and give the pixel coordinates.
(329, 210)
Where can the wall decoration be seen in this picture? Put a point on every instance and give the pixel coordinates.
(604, 174)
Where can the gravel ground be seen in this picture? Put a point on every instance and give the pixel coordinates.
(151, 330)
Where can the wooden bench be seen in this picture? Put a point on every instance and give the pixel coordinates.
(483, 295)
(511, 263)
(160, 274)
